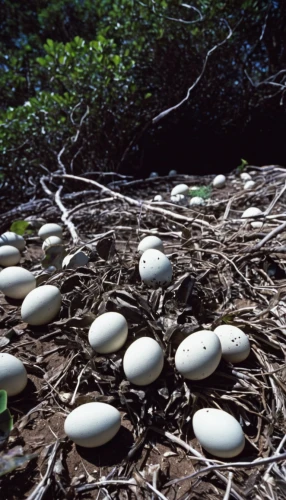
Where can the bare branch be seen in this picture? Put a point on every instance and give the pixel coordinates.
(173, 108)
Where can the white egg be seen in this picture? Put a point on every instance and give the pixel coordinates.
(172, 173)
(13, 239)
(218, 432)
(180, 189)
(158, 197)
(9, 256)
(16, 282)
(50, 229)
(150, 242)
(108, 332)
(153, 174)
(234, 343)
(92, 424)
(41, 305)
(51, 241)
(78, 259)
(245, 176)
(198, 356)
(180, 199)
(252, 212)
(249, 185)
(155, 268)
(13, 375)
(219, 181)
(143, 361)
(196, 200)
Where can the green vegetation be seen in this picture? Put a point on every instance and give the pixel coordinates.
(80, 81)
(6, 420)
(203, 192)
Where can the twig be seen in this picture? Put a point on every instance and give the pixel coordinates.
(228, 488)
(65, 216)
(237, 465)
(173, 108)
(43, 485)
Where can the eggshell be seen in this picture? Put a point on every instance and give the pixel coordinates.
(245, 176)
(155, 268)
(13, 375)
(13, 239)
(50, 229)
(219, 181)
(108, 332)
(150, 242)
(92, 424)
(252, 212)
(51, 241)
(178, 198)
(78, 259)
(180, 189)
(143, 361)
(218, 432)
(234, 343)
(196, 200)
(41, 305)
(9, 256)
(198, 356)
(249, 185)
(16, 282)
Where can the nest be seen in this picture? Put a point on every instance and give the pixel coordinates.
(224, 272)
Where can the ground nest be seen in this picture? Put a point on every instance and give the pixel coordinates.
(224, 272)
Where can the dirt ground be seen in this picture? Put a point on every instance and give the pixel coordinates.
(224, 272)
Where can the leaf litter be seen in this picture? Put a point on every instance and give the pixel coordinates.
(224, 271)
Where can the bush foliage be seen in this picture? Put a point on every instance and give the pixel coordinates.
(82, 80)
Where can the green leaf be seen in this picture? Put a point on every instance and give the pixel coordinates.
(19, 227)
(3, 400)
(146, 96)
(6, 420)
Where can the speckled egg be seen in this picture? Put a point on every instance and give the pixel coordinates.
(198, 356)
(13, 375)
(50, 229)
(155, 268)
(9, 256)
(234, 343)
(218, 432)
(143, 361)
(16, 282)
(150, 242)
(92, 424)
(41, 305)
(108, 332)
(51, 241)
(13, 239)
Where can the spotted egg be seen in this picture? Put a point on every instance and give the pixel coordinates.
(155, 268)
(198, 356)
(234, 343)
